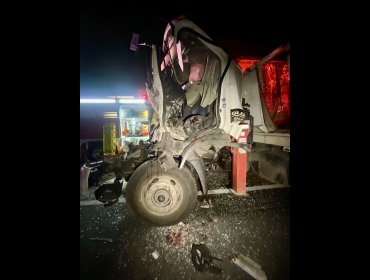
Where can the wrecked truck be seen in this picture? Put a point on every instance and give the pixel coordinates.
(200, 106)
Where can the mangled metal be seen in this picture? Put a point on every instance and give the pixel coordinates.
(248, 265)
(195, 92)
(203, 260)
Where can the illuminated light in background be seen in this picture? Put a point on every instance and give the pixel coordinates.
(143, 114)
(121, 96)
(110, 115)
(144, 95)
(130, 101)
(92, 100)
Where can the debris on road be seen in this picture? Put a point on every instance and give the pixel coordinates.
(206, 203)
(250, 266)
(102, 239)
(109, 193)
(177, 234)
(155, 255)
(203, 236)
(202, 259)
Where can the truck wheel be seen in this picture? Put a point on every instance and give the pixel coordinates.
(161, 197)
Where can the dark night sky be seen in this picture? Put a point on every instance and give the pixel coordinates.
(108, 67)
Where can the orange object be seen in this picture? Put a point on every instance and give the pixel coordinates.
(239, 171)
(125, 131)
(239, 165)
(144, 130)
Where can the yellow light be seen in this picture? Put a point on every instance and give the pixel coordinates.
(110, 115)
(144, 114)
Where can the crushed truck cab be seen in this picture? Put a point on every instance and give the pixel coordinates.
(200, 106)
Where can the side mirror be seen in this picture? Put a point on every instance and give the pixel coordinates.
(134, 42)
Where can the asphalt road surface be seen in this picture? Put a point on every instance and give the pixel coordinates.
(114, 244)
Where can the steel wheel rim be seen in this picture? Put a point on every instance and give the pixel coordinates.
(162, 195)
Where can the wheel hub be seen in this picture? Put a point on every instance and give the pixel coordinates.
(163, 195)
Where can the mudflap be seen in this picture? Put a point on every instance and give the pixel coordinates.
(109, 193)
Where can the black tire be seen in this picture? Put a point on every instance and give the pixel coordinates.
(160, 197)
